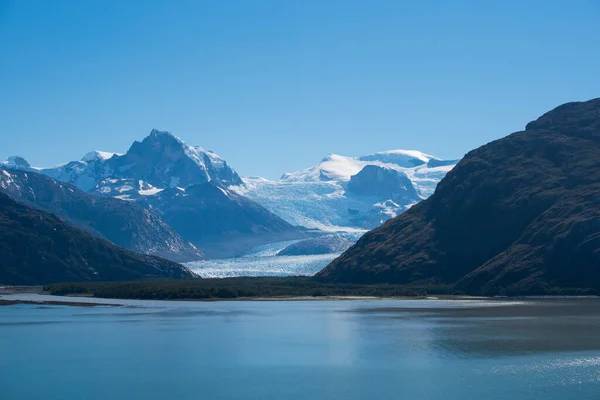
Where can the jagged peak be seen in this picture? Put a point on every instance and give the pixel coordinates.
(196, 153)
(156, 134)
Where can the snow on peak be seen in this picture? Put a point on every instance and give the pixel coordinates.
(164, 135)
(332, 168)
(198, 155)
(402, 158)
(98, 155)
(17, 161)
(341, 168)
(320, 197)
(195, 153)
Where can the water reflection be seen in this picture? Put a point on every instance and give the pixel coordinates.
(498, 328)
(324, 350)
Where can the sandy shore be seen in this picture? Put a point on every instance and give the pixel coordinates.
(20, 289)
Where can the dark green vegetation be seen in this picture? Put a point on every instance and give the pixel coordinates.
(124, 223)
(520, 215)
(38, 248)
(243, 287)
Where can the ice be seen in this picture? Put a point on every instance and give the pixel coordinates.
(261, 266)
(263, 261)
(316, 197)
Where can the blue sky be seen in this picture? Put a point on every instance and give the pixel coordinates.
(274, 86)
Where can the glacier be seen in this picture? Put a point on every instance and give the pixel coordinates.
(319, 197)
(262, 261)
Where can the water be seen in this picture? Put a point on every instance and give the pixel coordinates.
(263, 261)
(422, 349)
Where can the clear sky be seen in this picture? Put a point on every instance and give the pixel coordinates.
(274, 86)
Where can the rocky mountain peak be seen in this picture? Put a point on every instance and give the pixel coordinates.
(383, 182)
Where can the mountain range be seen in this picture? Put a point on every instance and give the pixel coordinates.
(186, 185)
(200, 207)
(39, 248)
(126, 224)
(520, 215)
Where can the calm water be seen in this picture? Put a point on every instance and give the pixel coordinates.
(429, 349)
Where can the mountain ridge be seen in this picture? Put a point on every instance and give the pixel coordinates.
(163, 162)
(125, 224)
(40, 248)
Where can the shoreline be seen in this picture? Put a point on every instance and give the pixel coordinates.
(4, 302)
(75, 301)
(8, 294)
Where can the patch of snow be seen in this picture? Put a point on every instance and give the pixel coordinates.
(224, 192)
(402, 158)
(150, 192)
(98, 155)
(332, 168)
(124, 188)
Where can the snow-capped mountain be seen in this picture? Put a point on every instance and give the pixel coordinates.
(162, 173)
(350, 193)
(125, 224)
(160, 160)
(17, 163)
(186, 185)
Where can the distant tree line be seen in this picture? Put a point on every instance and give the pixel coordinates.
(242, 287)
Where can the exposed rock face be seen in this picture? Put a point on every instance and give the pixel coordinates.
(124, 223)
(321, 245)
(385, 183)
(39, 248)
(520, 215)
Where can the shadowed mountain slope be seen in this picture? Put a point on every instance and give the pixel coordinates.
(39, 248)
(520, 215)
